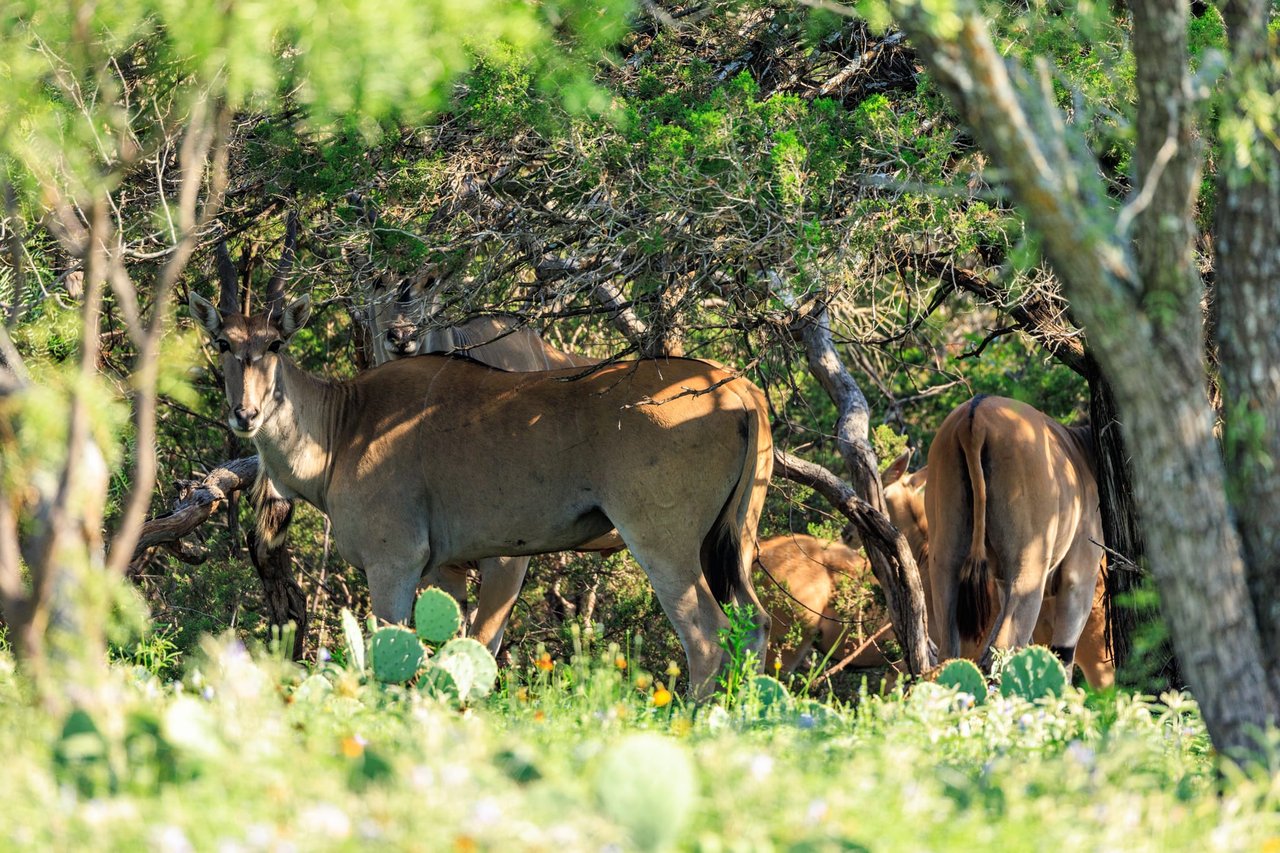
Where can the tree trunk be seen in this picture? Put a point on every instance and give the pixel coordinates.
(1248, 311)
(891, 559)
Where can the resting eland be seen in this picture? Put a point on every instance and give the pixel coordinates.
(439, 460)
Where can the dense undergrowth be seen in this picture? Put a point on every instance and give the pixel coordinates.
(250, 752)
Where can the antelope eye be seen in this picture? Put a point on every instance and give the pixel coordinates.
(275, 346)
(223, 346)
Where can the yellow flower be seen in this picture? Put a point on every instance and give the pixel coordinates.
(777, 665)
(673, 670)
(539, 717)
(620, 662)
(522, 694)
(544, 662)
(661, 697)
(644, 681)
(353, 746)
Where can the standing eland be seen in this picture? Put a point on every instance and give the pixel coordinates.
(400, 310)
(440, 460)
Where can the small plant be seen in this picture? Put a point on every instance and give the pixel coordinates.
(395, 654)
(736, 642)
(461, 671)
(1033, 673)
(964, 675)
(436, 616)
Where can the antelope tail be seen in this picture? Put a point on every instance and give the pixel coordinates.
(726, 558)
(975, 593)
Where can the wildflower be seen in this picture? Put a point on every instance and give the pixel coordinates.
(806, 721)
(522, 695)
(761, 767)
(326, 819)
(207, 693)
(661, 696)
(644, 681)
(539, 716)
(673, 670)
(681, 726)
(353, 746)
(486, 812)
(965, 701)
(544, 662)
(777, 666)
(620, 662)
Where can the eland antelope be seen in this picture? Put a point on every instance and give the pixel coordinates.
(439, 460)
(399, 318)
(1012, 516)
(904, 496)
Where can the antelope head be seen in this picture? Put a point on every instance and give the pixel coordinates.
(398, 310)
(250, 345)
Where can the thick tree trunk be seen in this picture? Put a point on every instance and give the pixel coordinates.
(1248, 333)
(1143, 319)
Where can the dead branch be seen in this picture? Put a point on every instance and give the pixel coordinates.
(196, 502)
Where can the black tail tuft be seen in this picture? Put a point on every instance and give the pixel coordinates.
(974, 600)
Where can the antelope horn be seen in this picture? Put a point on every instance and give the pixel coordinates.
(228, 281)
(275, 287)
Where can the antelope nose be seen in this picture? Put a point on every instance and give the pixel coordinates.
(401, 338)
(245, 416)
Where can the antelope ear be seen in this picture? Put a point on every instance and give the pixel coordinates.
(899, 467)
(295, 316)
(205, 313)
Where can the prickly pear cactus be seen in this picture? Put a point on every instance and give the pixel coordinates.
(470, 665)
(653, 807)
(964, 676)
(1032, 673)
(771, 696)
(438, 683)
(396, 655)
(436, 616)
(354, 639)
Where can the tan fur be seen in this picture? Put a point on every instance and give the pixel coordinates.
(904, 495)
(400, 314)
(1040, 516)
(437, 460)
(808, 569)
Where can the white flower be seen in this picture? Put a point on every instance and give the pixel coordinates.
(761, 767)
(326, 819)
(486, 812)
(171, 839)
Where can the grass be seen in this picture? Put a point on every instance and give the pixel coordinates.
(250, 752)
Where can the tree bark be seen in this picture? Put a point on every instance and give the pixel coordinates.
(891, 559)
(1247, 251)
(1142, 314)
(196, 503)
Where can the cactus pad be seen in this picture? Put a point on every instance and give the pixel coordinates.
(396, 655)
(964, 675)
(354, 638)
(1032, 673)
(471, 666)
(436, 616)
(771, 695)
(439, 684)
